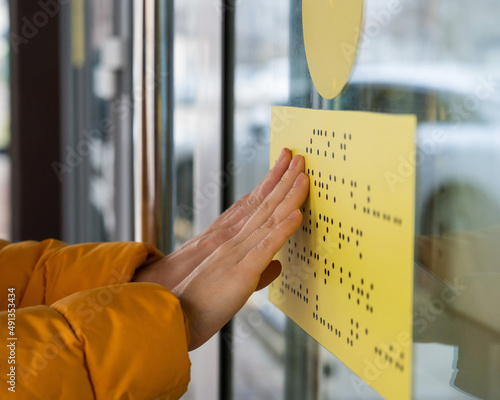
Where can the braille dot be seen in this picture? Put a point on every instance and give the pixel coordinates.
(315, 274)
(333, 154)
(328, 143)
(342, 180)
(307, 149)
(317, 152)
(314, 131)
(340, 280)
(349, 296)
(311, 141)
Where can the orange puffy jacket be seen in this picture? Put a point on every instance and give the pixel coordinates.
(82, 331)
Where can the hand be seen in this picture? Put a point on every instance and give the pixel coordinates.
(175, 267)
(214, 292)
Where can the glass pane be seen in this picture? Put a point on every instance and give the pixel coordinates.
(262, 76)
(4, 123)
(439, 61)
(417, 58)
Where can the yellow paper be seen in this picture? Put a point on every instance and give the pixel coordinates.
(347, 274)
(331, 34)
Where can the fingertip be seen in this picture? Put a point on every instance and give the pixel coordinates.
(295, 215)
(285, 155)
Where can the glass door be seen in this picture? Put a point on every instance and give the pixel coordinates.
(439, 61)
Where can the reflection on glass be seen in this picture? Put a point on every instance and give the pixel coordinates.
(416, 58)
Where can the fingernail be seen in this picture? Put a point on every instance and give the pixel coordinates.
(281, 157)
(295, 161)
(299, 179)
(294, 214)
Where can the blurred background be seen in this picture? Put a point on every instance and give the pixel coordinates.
(143, 120)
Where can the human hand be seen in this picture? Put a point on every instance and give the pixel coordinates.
(248, 236)
(175, 267)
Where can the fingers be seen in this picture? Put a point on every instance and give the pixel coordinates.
(245, 207)
(262, 254)
(290, 190)
(273, 176)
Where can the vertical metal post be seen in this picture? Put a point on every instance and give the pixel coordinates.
(228, 65)
(153, 133)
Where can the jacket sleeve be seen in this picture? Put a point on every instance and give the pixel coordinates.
(103, 341)
(44, 272)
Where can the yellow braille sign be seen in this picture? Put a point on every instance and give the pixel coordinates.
(347, 274)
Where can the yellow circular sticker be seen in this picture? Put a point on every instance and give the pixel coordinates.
(331, 34)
